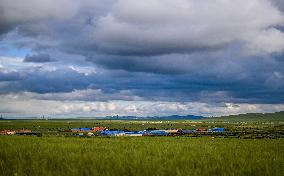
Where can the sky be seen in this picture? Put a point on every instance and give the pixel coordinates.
(71, 58)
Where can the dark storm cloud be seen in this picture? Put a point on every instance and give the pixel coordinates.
(9, 76)
(160, 50)
(34, 30)
(263, 84)
(279, 4)
(167, 64)
(43, 81)
(138, 64)
(38, 58)
(55, 81)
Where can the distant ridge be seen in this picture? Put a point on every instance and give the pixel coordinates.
(178, 117)
(171, 117)
(276, 116)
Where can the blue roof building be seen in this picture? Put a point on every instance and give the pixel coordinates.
(81, 129)
(158, 133)
(188, 131)
(112, 133)
(216, 130)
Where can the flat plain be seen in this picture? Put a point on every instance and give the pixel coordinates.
(246, 148)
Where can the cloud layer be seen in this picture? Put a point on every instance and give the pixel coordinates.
(184, 51)
(155, 27)
(38, 58)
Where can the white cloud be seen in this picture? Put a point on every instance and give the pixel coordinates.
(17, 12)
(29, 10)
(166, 26)
(22, 105)
(266, 41)
(16, 63)
(88, 95)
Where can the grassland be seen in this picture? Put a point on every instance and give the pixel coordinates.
(250, 117)
(250, 146)
(238, 129)
(33, 156)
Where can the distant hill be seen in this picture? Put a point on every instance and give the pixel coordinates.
(277, 116)
(172, 117)
(249, 117)
(178, 117)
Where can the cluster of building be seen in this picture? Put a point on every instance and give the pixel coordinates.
(102, 131)
(19, 132)
(7, 132)
(94, 129)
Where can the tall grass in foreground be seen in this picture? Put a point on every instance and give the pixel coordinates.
(33, 156)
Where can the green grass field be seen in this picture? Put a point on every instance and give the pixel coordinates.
(250, 117)
(233, 129)
(247, 147)
(33, 156)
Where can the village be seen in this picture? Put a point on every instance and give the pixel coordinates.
(103, 131)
